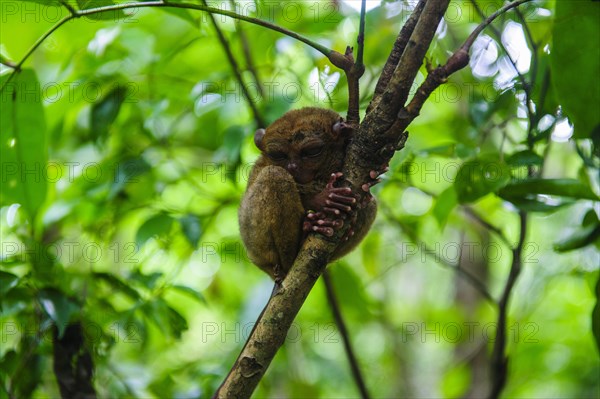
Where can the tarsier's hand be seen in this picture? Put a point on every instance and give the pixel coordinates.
(331, 207)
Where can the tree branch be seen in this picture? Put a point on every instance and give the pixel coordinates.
(339, 321)
(395, 54)
(499, 361)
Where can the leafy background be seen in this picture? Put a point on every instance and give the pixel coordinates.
(126, 145)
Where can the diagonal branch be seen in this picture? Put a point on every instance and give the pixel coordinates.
(438, 76)
(499, 360)
(339, 321)
(396, 53)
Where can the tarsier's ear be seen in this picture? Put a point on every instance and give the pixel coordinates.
(342, 129)
(258, 138)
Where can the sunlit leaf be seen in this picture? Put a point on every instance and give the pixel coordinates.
(524, 158)
(190, 291)
(59, 307)
(128, 172)
(560, 187)
(444, 204)
(105, 112)
(7, 282)
(575, 55)
(588, 233)
(117, 284)
(156, 226)
(23, 143)
(192, 229)
(480, 177)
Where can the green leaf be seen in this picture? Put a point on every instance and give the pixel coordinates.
(147, 280)
(105, 112)
(560, 187)
(444, 204)
(579, 239)
(156, 226)
(58, 307)
(232, 141)
(166, 318)
(117, 284)
(23, 144)
(180, 12)
(587, 234)
(190, 291)
(480, 177)
(107, 15)
(7, 282)
(127, 172)
(575, 60)
(446, 150)
(524, 158)
(596, 315)
(533, 205)
(192, 229)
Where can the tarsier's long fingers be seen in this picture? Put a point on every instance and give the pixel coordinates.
(339, 198)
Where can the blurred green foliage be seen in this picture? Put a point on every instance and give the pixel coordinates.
(126, 145)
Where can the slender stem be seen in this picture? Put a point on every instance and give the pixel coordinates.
(361, 36)
(494, 229)
(341, 324)
(470, 278)
(499, 361)
(499, 38)
(464, 273)
(160, 4)
(435, 78)
(247, 53)
(322, 49)
(37, 44)
(236, 70)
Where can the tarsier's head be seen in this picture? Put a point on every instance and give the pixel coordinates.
(304, 142)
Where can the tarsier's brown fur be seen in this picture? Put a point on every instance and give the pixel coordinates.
(300, 152)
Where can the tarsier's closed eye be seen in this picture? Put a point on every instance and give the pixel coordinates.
(277, 155)
(312, 152)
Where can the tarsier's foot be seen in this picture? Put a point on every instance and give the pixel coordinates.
(374, 176)
(278, 276)
(320, 223)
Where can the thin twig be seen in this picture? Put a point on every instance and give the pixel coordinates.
(438, 76)
(360, 41)
(341, 324)
(247, 53)
(66, 4)
(330, 54)
(499, 361)
(236, 70)
(464, 273)
(494, 229)
(354, 70)
(498, 35)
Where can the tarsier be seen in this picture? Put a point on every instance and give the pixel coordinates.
(292, 190)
